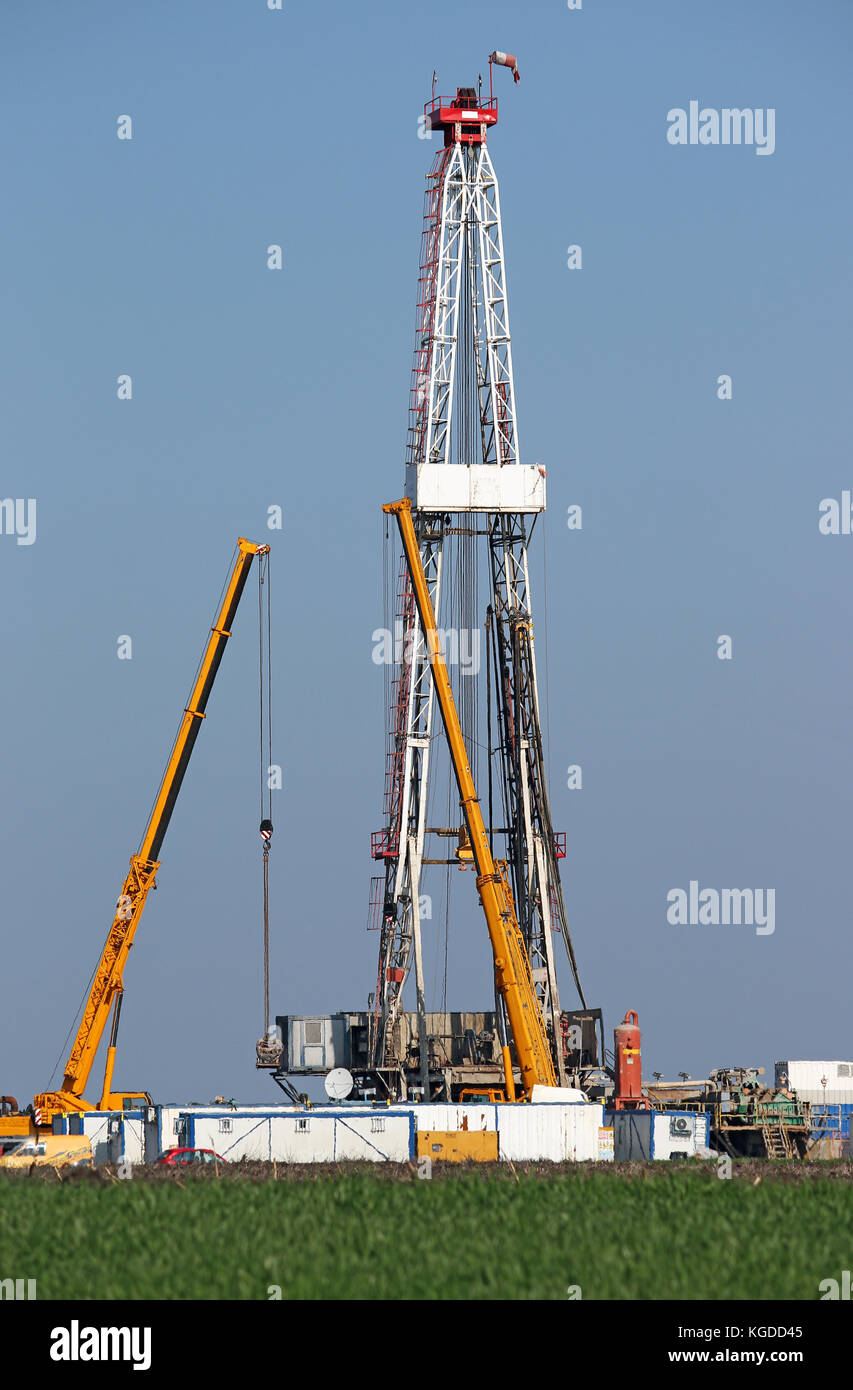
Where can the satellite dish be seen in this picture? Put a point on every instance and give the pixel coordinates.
(339, 1083)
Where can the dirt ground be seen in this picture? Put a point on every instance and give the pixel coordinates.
(753, 1171)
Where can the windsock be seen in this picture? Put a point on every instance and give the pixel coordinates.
(505, 60)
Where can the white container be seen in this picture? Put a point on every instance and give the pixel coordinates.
(807, 1079)
(553, 1133)
(479, 487)
(655, 1134)
(305, 1136)
(114, 1136)
(456, 1117)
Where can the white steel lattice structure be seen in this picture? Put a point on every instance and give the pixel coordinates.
(462, 215)
(463, 316)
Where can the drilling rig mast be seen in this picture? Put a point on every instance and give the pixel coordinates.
(465, 477)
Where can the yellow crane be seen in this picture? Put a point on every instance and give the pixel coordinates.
(108, 982)
(512, 964)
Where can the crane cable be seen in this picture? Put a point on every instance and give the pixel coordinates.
(266, 773)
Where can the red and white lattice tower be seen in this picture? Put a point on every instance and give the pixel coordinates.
(463, 317)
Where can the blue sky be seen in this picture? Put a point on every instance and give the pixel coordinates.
(253, 388)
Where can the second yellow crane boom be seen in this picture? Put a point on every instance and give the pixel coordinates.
(512, 964)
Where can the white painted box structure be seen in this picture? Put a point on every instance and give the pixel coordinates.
(103, 1131)
(820, 1083)
(659, 1134)
(315, 1043)
(457, 1118)
(171, 1128)
(296, 1135)
(478, 487)
(527, 1132)
(115, 1135)
(555, 1133)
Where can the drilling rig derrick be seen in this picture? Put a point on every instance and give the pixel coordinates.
(474, 504)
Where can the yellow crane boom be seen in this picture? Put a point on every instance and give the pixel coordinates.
(108, 982)
(512, 964)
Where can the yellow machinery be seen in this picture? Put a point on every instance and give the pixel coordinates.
(459, 1145)
(108, 981)
(512, 965)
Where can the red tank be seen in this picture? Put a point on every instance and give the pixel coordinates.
(629, 1066)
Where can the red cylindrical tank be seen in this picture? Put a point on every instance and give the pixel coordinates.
(629, 1067)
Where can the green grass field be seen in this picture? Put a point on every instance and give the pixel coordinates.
(650, 1233)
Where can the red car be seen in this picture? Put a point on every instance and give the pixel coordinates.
(189, 1156)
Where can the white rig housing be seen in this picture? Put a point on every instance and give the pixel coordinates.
(479, 487)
